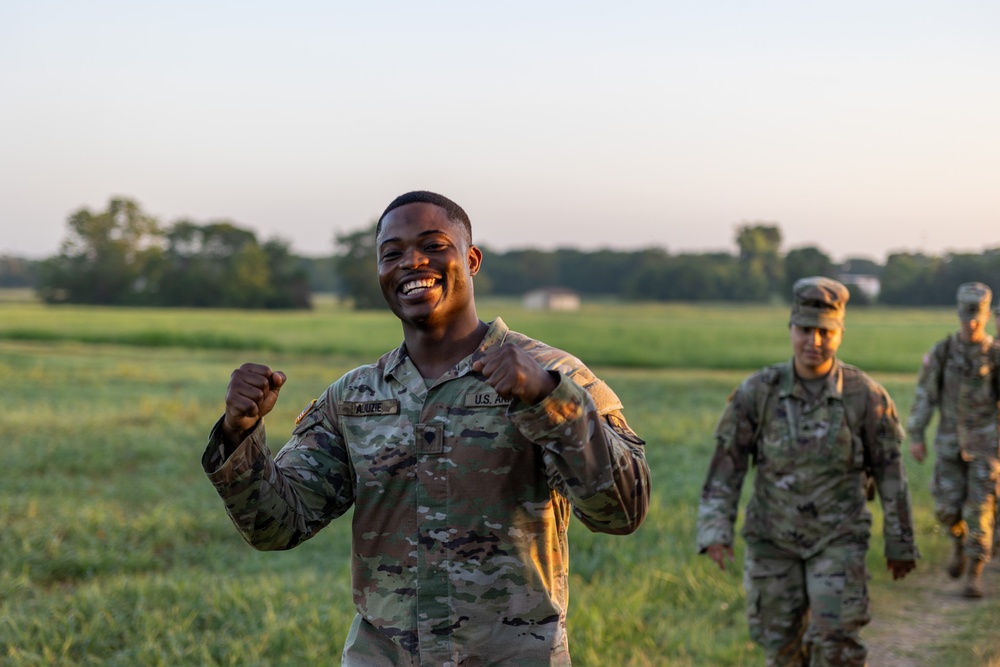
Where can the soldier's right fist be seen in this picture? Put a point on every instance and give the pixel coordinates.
(252, 393)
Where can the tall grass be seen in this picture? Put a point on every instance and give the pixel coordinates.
(115, 550)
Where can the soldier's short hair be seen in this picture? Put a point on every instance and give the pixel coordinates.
(455, 212)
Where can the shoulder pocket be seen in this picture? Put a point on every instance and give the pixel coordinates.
(619, 426)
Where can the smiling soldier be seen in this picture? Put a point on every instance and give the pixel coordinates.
(814, 428)
(463, 452)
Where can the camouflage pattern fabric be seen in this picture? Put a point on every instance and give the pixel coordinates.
(829, 590)
(961, 380)
(808, 495)
(809, 486)
(461, 502)
(965, 501)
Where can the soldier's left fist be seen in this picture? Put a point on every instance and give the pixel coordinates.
(514, 374)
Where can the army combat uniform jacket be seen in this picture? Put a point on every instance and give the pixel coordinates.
(461, 501)
(810, 454)
(961, 379)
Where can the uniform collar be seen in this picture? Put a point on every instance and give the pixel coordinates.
(792, 386)
(984, 344)
(495, 336)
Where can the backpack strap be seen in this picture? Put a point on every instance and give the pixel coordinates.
(942, 359)
(855, 397)
(771, 380)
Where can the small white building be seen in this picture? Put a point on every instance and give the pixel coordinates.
(551, 298)
(868, 285)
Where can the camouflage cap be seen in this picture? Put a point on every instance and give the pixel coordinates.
(819, 302)
(974, 301)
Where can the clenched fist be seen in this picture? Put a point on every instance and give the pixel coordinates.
(514, 374)
(252, 393)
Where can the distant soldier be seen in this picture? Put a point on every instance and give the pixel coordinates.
(813, 427)
(961, 378)
(996, 518)
(463, 453)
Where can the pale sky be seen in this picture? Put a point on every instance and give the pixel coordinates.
(862, 127)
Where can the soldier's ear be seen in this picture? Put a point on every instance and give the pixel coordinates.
(475, 259)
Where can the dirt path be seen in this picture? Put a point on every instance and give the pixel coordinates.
(915, 614)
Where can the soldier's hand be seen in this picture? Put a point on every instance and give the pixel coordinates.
(514, 374)
(900, 568)
(253, 390)
(919, 451)
(720, 553)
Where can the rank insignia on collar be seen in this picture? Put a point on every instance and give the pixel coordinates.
(302, 415)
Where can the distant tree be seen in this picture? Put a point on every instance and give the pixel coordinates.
(322, 273)
(217, 264)
(991, 270)
(123, 257)
(104, 258)
(518, 271)
(17, 271)
(701, 277)
(861, 266)
(356, 266)
(958, 268)
(600, 272)
(761, 267)
(222, 265)
(805, 262)
(289, 287)
(913, 280)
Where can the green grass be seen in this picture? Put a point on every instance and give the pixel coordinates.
(721, 337)
(115, 550)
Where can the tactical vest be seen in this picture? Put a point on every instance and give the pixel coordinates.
(855, 396)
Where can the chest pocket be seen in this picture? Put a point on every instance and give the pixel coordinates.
(481, 421)
(799, 436)
(380, 442)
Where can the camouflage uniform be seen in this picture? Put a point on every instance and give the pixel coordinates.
(807, 523)
(961, 380)
(461, 502)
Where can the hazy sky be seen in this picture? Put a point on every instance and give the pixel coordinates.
(863, 127)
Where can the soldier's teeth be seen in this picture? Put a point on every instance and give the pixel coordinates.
(417, 284)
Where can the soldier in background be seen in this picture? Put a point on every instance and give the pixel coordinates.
(961, 378)
(463, 452)
(996, 516)
(813, 427)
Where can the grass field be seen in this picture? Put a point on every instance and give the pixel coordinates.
(115, 550)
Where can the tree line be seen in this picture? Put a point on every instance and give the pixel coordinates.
(123, 256)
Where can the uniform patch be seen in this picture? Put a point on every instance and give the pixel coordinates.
(367, 408)
(302, 415)
(430, 439)
(485, 399)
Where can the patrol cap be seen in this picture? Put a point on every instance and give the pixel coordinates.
(819, 302)
(974, 301)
